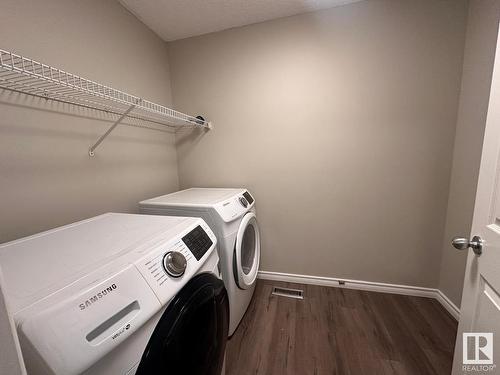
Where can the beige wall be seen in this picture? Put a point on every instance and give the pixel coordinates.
(46, 176)
(341, 123)
(482, 29)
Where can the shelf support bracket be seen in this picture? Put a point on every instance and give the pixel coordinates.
(103, 137)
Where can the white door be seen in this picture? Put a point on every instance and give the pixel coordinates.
(247, 252)
(479, 326)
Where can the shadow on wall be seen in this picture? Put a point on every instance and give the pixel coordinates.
(20, 100)
(48, 178)
(190, 138)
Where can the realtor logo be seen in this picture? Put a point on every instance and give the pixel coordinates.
(478, 348)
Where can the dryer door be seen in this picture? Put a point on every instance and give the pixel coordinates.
(247, 252)
(191, 335)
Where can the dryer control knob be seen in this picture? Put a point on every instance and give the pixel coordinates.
(243, 202)
(175, 263)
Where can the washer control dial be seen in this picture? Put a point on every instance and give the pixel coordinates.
(243, 202)
(174, 263)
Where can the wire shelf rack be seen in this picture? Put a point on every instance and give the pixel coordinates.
(25, 75)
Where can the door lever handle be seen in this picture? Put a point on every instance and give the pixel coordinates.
(463, 243)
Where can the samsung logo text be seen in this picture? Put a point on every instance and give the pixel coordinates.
(95, 298)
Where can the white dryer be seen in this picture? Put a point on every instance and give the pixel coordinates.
(119, 294)
(231, 215)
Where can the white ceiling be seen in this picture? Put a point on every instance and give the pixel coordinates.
(177, 19)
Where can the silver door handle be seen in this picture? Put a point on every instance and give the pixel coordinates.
(462, 243)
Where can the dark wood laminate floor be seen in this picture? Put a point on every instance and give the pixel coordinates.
(341, 331)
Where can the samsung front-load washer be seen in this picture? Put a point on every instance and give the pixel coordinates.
(119, 294)
(231, 215)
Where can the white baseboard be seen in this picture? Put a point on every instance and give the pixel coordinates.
(365, 285)
(447, 304)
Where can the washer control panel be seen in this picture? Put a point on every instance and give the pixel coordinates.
(155, 269)
(173, 262)
(197, 242)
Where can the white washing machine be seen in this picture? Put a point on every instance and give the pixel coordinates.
(119, 294)
(231, 215)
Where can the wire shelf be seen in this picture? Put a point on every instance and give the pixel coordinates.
(24, 75)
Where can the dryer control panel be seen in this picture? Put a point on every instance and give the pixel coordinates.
(235, 206)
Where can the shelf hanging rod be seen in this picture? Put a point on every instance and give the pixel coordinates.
(112, 127)
(27, 76)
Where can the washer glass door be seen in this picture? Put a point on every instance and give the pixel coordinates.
(190, 337)
(247, 252)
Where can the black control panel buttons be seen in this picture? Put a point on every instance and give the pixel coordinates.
(248, 197)
(198, 242)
